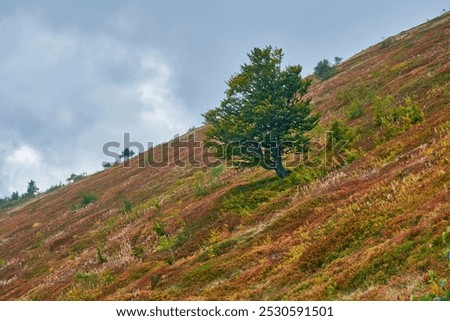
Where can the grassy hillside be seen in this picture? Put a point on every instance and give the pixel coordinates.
(368, 225)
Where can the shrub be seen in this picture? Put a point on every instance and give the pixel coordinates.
(386, 43)
(200, 191)
(355, 97)
(54, 188)
(439, 291)
(208, 182)
(100, 257)
(354, 109)
(339, 144)
(75, 178)
(304, 175)
(396, 119)
(127, 207)
(244, 203)
(386, 112)
(87, 198)
(167, 244)
(340, 132)
(138, 251)
(158, 228)
(324, 70)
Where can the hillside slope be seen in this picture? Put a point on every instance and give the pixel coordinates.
(370, 229)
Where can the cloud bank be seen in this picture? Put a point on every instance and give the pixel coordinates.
(64, 94)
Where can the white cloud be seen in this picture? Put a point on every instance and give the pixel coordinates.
(24, 156)
(161, 107)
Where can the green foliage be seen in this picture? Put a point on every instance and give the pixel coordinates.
(154, 281)
(340, 141)
(200, 191)
(138, 251)
(245, 204)
(86, 199)
(304, 175)
(127, 206)
(207, 272)
(86, 285)
(382, 267)
(386, 43)
(159, 229)
(148, 159)
(362, 91)
(395, 119)
(262, 110)
(324, 70)
(446, 241)
(439, 290)
(355, 97)
(354, 109)
(167, 244)
(245, 199)
(94, 280)
(127, 153)
(15, 196)
(100, 257)
(136, 275)
(75, 178)
(7, 202)
(341, 132)
(16, 199)
(54, 188)
(207, 183)
(223, 246)
(2, 262)
(106, 165)
(32, 188)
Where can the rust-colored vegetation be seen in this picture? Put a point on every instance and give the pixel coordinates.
(370, 224)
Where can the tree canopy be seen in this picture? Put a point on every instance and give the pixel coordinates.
(263, 112)
(32, 188)
(324, 69)
(127, 153)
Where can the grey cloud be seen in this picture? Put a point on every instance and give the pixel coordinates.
(64, 93)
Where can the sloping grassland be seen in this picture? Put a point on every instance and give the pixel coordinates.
(370, 225)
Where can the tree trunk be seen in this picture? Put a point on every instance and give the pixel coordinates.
(278, 163)
(280, 170)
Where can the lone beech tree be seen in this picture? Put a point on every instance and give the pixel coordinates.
(263, 115)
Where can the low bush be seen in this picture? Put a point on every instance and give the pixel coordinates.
(208, 182)
(395, 119)
(324, 70)
(88, 198)
(127, 207)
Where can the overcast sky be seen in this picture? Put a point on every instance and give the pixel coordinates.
(77, 74)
